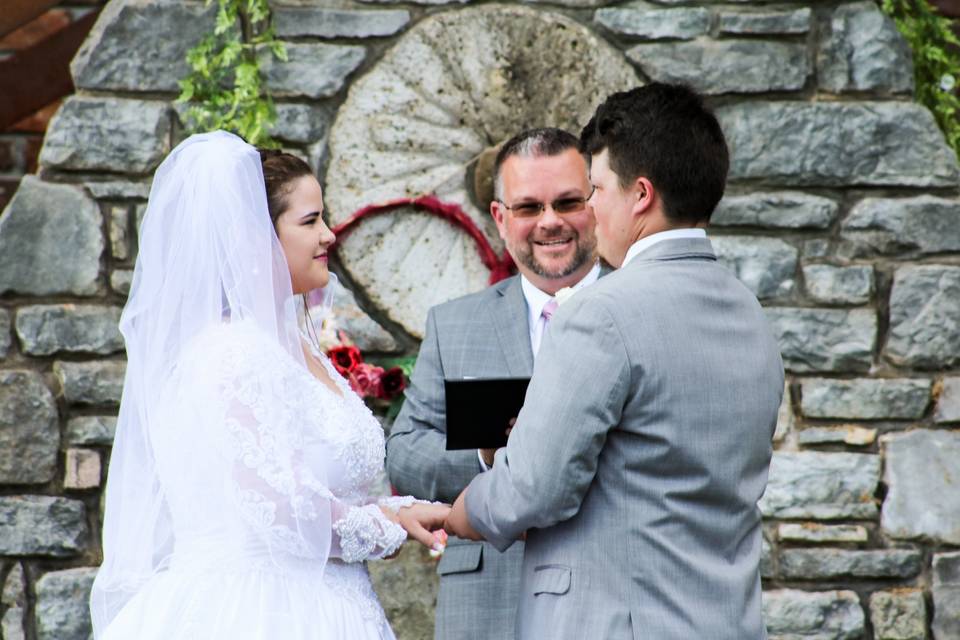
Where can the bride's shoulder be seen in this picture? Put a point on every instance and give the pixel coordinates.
(235, 347)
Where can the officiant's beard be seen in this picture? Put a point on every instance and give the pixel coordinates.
(585, 251)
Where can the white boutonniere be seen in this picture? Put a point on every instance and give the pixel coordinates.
(564, 294)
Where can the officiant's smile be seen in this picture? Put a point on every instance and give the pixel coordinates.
(544, 217)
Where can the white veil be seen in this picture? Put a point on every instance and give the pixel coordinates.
(208, 254)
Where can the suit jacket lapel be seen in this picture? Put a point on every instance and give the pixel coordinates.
(509, 316)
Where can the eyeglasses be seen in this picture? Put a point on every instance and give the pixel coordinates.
(560, 206)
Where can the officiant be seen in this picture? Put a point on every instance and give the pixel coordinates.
(541, 209)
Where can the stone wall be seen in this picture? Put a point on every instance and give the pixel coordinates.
(842, 216)
(20, 143)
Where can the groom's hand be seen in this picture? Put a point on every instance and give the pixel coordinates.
(457, 522)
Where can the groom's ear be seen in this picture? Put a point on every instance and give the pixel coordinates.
(645, 196)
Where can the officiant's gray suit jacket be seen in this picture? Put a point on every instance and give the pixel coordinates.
(485, 335)
(639, 456)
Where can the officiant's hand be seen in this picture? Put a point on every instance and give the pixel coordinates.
(457, 522)
(420, 520)
(487, 454)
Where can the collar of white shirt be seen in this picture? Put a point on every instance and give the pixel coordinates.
(671, 234)
(536, 298)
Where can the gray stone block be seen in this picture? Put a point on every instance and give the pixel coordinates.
(785, 417)
(946, 596)
(851, 434)
(91, 430)
(63, 604)
(815, 533)
(837, 144)
(5, 335)
(898, 615)
(756, 23)
(141, 45)
(948, 401)
(865, 399)
(829, 284)
(301, 123)
(922, 472)
(118, 190)
(825, 564)
(29, 434)
(776, 210)
(433, 2)
(919, 226)
(45, 220)
(816, 248)
(654, 23)
(862, 50)
(766, 265)
(337, 23)
(360, 327)
(119, 231)
(822, 486)
(311, 70)
(120, 280)
(14, 587)
(91, 382)
(107, 134)
(791, 615)
(726, 66)
(69, 328)
(11, 625)
(42, 526)
(924, 317)
(824, 339)
(767, 569)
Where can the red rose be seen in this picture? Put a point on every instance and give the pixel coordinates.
(392, 383)
(365, 379)
(345, 358)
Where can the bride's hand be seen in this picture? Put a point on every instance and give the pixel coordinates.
(420, 520)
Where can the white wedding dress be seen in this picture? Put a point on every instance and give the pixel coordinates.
(239, 569)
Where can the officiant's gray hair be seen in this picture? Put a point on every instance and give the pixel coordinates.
(532, 143)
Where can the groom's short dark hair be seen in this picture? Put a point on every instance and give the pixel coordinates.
(665, 133)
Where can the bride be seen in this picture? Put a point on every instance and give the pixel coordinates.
(238, 504)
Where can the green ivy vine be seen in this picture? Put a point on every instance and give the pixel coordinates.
(225, 86)
(936, 61)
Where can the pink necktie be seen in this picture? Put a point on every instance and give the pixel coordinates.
(548, 311)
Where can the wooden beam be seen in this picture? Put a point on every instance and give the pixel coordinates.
(35, 77)
(17, 13)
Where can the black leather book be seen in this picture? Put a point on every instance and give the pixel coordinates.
(479, 410)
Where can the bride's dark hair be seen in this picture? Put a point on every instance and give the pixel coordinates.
(280, 169)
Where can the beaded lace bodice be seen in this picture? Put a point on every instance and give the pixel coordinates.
(285, 473)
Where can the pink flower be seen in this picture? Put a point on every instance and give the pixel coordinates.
(365, 379)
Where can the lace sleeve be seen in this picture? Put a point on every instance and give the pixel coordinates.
(275, 489)
(363, 533)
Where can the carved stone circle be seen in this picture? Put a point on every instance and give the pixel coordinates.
(456, 85)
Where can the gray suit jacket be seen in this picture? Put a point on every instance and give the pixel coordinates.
(639, 456)
(485, 334)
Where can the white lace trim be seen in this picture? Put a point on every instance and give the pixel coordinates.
(366, 533)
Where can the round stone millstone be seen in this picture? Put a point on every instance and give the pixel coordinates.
(455, 85)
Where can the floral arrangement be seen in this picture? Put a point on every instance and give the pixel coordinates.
(380, 385)
(369, 381)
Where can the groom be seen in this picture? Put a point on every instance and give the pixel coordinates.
(643, 446)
